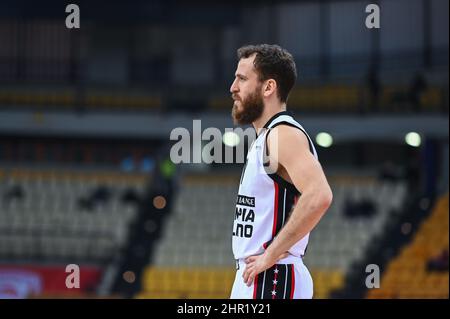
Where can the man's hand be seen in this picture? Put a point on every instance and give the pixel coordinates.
(257, 264)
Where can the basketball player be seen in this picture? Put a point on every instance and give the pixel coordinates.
(283, 191)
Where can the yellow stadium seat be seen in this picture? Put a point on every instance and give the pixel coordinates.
(406, 276)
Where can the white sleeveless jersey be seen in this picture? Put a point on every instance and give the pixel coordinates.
(264, 201)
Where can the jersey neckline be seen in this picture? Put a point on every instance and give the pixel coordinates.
(275, 116)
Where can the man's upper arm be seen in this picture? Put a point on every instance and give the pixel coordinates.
(294, 154)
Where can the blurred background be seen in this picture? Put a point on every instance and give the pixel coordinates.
(85, 122)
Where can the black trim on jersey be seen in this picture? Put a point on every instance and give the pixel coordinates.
(283, 183)
(283, 212)
(245, 164)
(275, 116)
(311, 149)
(290, 199)
(243, 172)
(274, 176)
(306, 249)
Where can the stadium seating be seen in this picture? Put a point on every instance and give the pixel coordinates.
(311, 98)
(339, 240)
(346, 99)
(187, 282)
(406, 275)
(68, 98)
(47, 223)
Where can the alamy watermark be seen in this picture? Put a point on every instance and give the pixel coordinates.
(73, 19)
(373, 279)
(73, 279)
(373, 19)
(206, 146)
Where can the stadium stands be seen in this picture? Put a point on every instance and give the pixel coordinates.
(339, 239)
(349, 99)
(187, 282)
(305, 98)
(69, 99)
(43, 217)
(407, 275)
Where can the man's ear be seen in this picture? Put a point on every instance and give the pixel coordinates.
(270, 87)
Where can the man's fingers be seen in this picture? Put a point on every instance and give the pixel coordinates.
(247, 271)
(250, 280)
(250, 259)
(248, 276)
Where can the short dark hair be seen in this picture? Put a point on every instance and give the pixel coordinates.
(272, 62)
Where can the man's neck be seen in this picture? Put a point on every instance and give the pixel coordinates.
(268, 113)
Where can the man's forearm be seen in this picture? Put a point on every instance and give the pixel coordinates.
(305, 216)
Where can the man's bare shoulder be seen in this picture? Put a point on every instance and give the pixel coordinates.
(285, 136)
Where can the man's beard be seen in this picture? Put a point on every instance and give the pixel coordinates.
(250, 110)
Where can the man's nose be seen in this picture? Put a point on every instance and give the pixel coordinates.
(233, 87)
